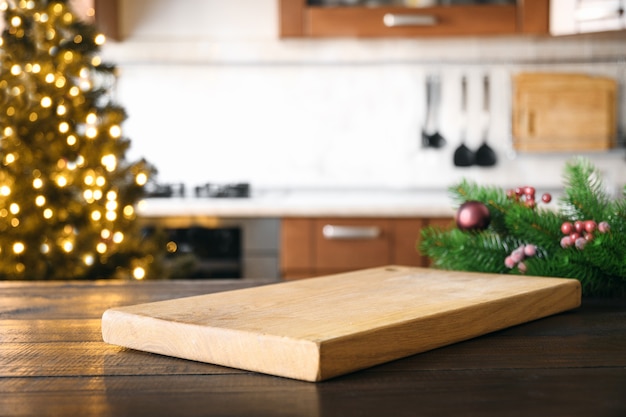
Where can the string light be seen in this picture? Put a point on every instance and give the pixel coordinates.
(141, 178)
(139, 273)
(18, 248)
(118, 237)
(115, 131)
(109, 162)
(101, 248)
(88, 259)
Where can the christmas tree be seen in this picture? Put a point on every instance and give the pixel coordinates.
(513, 232)
(67, 193)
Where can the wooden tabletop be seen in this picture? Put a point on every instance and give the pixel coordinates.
(53, 363)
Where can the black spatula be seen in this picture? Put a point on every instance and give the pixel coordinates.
(463, 156)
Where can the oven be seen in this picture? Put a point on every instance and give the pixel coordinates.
(199, 246)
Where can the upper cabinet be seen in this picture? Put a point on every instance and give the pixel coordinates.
(569, 17)
(104, 13)
(315, 19)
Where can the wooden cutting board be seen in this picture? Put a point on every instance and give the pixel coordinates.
(564, 112)
(319, 328)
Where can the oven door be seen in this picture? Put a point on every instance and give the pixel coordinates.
(208, 247)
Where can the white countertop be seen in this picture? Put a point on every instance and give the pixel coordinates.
(309, 203)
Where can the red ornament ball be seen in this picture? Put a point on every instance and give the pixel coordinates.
(546, 198)
(473, 215)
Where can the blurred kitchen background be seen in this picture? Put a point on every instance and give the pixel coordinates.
(214, 93)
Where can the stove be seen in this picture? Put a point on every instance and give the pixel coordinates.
(213, 247)
(206, 190)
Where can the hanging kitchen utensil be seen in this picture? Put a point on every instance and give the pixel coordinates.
(431, 138)
(485, 155)
(463, 156)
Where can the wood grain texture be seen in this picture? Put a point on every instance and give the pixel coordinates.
(570, 364)
(320, 328)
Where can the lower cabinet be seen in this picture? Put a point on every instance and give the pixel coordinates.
(320, 246)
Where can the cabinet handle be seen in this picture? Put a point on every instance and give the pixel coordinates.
(394, 20)
(332, 232)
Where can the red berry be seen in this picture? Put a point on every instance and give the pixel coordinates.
(519, 191)
(530, 203)
(510, 193)
(517, 255)
(590, 226)
(579, 226)
(529, 191)
(530, 250)
(574, 236)
(567, 228)
(546, 198)
(588, 236)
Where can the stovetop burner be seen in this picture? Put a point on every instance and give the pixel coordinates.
(207, 190)
(210, 190)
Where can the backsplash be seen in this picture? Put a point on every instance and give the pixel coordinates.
(213, 95)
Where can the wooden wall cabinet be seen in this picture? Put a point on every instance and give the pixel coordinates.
(308, 249)
(103, 13)
(299, 20)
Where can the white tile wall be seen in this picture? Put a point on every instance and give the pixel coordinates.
(214, 95)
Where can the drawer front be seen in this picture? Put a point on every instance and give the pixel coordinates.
(351, 243)
(403, 22)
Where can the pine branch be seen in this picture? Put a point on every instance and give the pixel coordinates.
(598, 262)
(585, 197)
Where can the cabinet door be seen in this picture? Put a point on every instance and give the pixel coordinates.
(406, 234)
(348, 244)
(297, 19)
(296, 248)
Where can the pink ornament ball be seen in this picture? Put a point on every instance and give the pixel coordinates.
(580, 243)
(473, 215)
(566, 242)
(522, 267)
(509, 262)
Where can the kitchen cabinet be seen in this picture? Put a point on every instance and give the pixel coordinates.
(298, 19)
(103, 13)
(325, 245)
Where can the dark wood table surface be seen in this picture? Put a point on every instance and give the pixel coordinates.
(53, 363)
